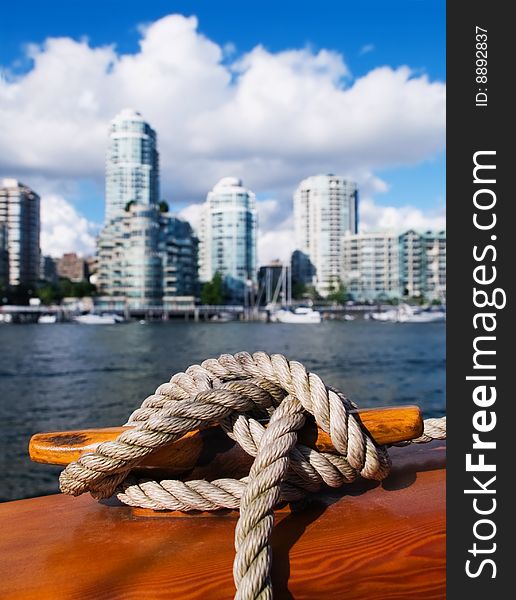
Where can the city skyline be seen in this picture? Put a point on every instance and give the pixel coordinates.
(119, 184)
(394, 151)
(147, 257)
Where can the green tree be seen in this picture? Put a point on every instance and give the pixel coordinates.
(339, 293)
(163, 206)
(65, 288)
(47, 294)
(311, 293)
(421, 299)
(83, 288)
(53, 293)
(212, 292)
(298, 290)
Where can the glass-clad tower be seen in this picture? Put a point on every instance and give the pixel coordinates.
(146, 258)
(228, 236)
(371, 266)
(423, 264)
(20, 230)
(132, 163)
(325, 210)
(4, 255)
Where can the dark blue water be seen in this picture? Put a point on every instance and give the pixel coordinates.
(69, 376)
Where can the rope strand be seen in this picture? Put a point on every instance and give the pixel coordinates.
(235, 391)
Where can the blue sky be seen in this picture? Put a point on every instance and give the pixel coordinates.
(401, 31)
(363, 36)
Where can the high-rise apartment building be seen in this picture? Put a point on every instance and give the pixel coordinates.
(132, 163)
(382, 265)
(20, 216)
(147, 259)
(179, 248)
(325, 209)
(48, 269)
(370, 266)
(141, 262)
(303, 271)
(4, 255)
(412, 264)
(435, 258)
(423, 264)
(129, 261)
(228, 236)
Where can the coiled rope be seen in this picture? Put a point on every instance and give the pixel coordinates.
(235, 391)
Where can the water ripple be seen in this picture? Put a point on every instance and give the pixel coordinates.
(69, 376)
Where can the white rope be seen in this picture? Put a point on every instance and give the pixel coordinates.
(236, 391)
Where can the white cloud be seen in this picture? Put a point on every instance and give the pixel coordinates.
(374, 217)
(269, 118)
(192, 214)
(63, 229)
(275, 233)
(275, 245)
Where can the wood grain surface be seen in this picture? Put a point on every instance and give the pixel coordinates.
(366, 541)
(388, 425)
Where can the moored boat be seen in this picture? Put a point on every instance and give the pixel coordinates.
(47, 319)
(404, 313)
(94, 319)
(301, 315)
(223, 317)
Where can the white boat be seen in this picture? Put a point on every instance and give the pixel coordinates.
(426, 316)
(389, 316)
(300, 315)
(93, 319)
(223, 317)
(47, 319)
(404, 313)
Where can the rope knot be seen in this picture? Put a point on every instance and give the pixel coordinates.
(238, 392)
